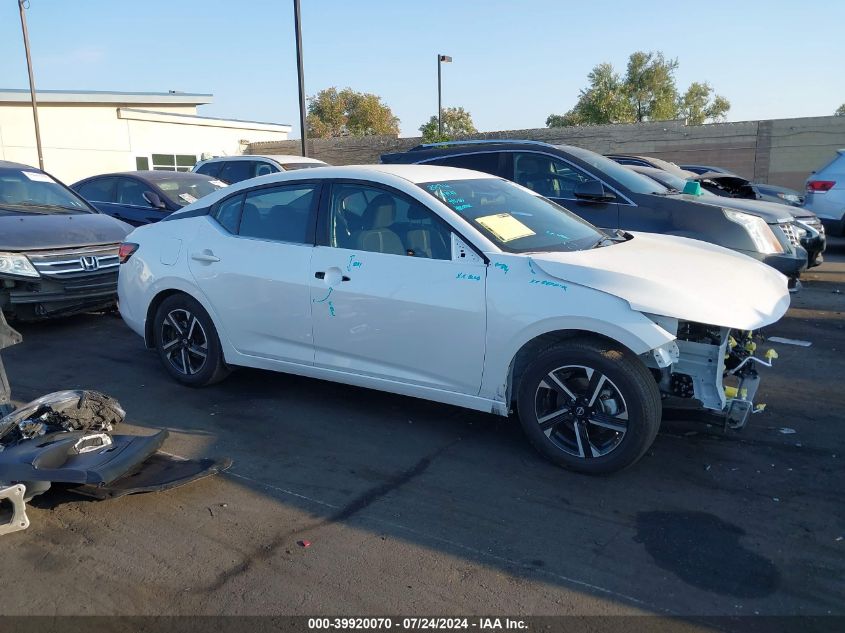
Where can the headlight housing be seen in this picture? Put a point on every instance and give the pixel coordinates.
(17, 264)
(764, 239)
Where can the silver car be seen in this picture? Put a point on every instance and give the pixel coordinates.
(826, 194)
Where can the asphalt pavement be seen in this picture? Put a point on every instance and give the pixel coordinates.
(409, 507)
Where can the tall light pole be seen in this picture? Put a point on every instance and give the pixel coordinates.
(31, 83)
(297, 25)
(441, 59)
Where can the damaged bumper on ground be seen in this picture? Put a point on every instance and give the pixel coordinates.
(67, 438)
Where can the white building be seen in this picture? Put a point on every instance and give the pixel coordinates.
(87, 133)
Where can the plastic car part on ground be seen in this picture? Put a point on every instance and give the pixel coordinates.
(66, 438)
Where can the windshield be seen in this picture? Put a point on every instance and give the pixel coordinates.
(513, 218)
(635, 182)
(36, 192)
(184, 189)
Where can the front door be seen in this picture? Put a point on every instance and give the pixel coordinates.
(389, 300)
(556, 180)
(251, 258)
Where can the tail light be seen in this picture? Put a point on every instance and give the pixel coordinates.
(820, 186)
(127, 249)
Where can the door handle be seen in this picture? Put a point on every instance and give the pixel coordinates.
(322, 275)
(206, 256)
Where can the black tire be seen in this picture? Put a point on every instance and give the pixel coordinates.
(177, 318)
(603, 436)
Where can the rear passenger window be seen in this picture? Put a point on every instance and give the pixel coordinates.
(210, 169)
(99, 190)
(262, 169)
(487, 162)
(282, 214)
(236, 170)
(228, 213)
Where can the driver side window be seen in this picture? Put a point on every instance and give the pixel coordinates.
(380, 221)
(546, 175)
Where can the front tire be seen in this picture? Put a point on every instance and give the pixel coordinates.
(187, 342)
(589, 406)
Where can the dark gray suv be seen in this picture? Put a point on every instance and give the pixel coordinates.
(612, 196)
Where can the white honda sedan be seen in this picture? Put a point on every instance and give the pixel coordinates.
(454, 286)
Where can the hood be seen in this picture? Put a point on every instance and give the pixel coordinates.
(29, 231)
(678, 277)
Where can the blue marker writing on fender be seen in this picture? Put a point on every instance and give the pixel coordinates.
(504, 267)
(468, 277)
(331, 309)
(545, 282)
(531, 266)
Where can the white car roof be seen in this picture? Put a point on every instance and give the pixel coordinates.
(278, 158)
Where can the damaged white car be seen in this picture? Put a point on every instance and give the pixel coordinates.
(454, 286)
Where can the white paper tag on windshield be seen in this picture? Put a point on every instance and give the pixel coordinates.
(38, 177)
(504, 226)
(187, 197)
(218, 183)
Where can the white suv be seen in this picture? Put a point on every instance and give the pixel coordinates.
(454, 286)
(826, 194)
(232, 169)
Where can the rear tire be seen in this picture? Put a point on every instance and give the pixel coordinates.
(589, 406)
(187, 342)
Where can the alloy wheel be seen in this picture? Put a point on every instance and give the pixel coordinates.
(184, 341)
(581, 411)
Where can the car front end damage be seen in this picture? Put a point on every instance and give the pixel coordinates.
(710, 366)
(44, 283)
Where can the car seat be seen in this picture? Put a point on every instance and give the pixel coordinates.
(379, 238)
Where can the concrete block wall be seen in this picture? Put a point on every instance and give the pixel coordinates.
(780, 151)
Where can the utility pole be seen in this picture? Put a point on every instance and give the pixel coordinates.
(440, 60)
(32, 83)
(297, 23)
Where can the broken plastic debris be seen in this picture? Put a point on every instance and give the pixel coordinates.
(786, 430)
(304, 543)
(775, 499)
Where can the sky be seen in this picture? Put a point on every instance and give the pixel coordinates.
(514, 62)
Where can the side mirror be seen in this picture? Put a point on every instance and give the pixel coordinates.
(593, 190)
(693, 188)
(155, 200)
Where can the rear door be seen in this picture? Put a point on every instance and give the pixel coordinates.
(100, 192)
(389, 298)
(556, 179)
(251, 258)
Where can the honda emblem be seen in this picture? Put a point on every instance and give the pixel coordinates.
(89, 263)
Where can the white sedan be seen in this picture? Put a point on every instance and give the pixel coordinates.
(454, 286)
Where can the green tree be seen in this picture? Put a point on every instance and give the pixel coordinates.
(456, 122)
(840, 111)
(333, 112)
(647, 92)
(697, 106)
(650, 84)
(603, 101)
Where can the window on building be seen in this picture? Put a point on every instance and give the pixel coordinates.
(174, 162)
(142, 163)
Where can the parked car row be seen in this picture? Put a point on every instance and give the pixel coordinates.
(502, 276)
(612, 196)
